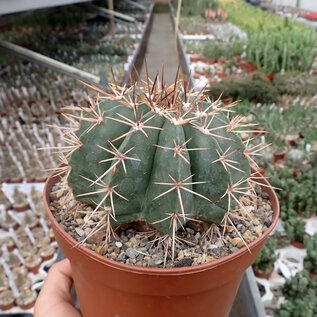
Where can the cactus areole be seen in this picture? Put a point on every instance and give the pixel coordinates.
(156, 153)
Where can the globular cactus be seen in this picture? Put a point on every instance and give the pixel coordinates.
(156, 153)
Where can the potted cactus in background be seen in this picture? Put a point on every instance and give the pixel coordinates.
(264, 264)
(310, 261)
(155, 170)
(301, 294)
(295, 231)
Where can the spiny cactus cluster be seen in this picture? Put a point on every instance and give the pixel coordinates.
(163, 154)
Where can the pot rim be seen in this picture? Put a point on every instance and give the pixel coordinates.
(52, 179)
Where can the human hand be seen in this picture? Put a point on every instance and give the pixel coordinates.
(54, 299)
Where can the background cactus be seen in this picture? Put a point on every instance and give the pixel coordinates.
(295, 158)
(310, 261)
(161, 154)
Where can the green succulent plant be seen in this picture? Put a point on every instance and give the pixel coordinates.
(223, 50)
(156, 153)
(267, 257)
(298, 307)
(282, 50)
(247, 87)
(197, 7)
(295, 228)
(255, 20)
(274, 43)
(310, 261)
(296, 286)
(297, 194)
(301, 295)
(282, 122)
(295, 84)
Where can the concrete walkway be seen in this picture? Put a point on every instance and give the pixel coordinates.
(161, 49)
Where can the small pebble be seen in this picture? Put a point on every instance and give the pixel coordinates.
(189, 230)
(219, 243)
(184, 262)
(80, 231)
(158, 262)
(261, 213)
(131, 253)
(247, 236)
(268, 221)
(216, 252)
(122, 256)
(134, 242)
(124, 238)
(238, 242)
(96, 238)
(241, 228)
(258, 230)
(87, 231)
(113, 255)
(180, 255)
(258, 189)
(80, 221)
(255, 222)
(265, 195)
(151, 263)
(234, 249)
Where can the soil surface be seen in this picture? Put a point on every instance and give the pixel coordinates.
(138, 244)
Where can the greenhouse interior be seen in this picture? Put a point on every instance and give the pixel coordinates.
(158, 158)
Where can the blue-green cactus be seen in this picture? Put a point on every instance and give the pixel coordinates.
(160, 154)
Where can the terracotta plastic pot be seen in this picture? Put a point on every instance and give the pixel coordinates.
(298, 244)
(279, 155)
(21, 207)
(263, 274)
(270, 76)
(15, 180)
(108, 288)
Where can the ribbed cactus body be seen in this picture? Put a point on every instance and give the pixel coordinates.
(161, 167)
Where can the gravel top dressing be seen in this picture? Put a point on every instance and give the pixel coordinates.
(138, 244)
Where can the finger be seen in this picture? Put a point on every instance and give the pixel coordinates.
(54, 299)
(59, 281)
